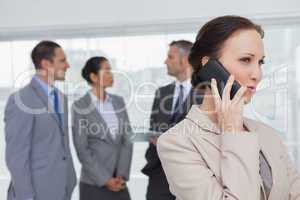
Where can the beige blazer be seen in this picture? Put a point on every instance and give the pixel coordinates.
(202, 164)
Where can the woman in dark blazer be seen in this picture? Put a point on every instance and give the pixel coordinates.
(101, 134)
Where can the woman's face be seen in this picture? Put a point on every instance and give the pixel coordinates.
(104, 78)
(242, 55)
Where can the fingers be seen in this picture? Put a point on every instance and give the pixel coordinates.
(113, 188)
(239, 96)
(116, 188)
(225, 101)
(120, 180)
(123, 186)
(119, 184)
(227, 89)
(229, 111)
(215, 93)
(114, 185)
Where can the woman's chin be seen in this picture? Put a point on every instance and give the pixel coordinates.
(247, 98)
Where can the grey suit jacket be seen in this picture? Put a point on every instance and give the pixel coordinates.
(101, 156)
(37, 147)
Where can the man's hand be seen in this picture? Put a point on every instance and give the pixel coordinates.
(121, 182)
(113, 185)
(116, 184)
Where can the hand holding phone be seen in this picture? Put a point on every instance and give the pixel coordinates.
(227, 93)
(213, 69)
(229, 112)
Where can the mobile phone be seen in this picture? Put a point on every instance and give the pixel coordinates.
(214, 69)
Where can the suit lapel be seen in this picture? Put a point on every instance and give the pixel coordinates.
(95, 113)
(208, 144)
(203, 123)
(270, 151)
(167, 98)
(65, 113)
(41, 94)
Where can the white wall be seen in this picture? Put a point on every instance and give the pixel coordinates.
(29, 15)
(18, 13)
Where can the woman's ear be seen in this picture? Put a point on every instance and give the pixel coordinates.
(93, 77)
(204, 60)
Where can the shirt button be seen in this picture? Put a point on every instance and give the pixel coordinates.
(64, 158)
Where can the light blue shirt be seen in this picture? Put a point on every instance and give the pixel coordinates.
(48, 90)
(107, 112)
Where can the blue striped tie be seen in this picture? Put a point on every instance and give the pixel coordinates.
(56, 105)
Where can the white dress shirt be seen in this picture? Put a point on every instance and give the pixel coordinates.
(187, 86)
(107, 112)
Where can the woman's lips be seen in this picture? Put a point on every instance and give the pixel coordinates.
(252, 88)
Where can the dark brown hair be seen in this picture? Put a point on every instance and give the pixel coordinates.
(92, 65)
(43, 50)
(211, 37)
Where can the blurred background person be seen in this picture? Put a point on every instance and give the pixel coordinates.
(36, 131)
(101, 133)
(170, 105)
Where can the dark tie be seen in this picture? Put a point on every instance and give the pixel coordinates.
(56, 105)
(178, 109)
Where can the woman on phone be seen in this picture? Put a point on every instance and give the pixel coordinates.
(216, 153)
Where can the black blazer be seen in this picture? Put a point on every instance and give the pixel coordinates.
(161, 120)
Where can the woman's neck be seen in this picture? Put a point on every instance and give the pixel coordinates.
(99, 92)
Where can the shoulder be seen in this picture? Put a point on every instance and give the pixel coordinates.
(180, 136)
(21, 102)
(80, 101)
(164, 90)
(166, 87)
(24, 95)
(116, 97)
(117, 100)
(82, 105)
(270, 139)
(266, 132)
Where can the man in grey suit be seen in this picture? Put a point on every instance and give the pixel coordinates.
(36, 131)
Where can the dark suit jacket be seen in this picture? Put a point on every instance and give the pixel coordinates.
(161, 121)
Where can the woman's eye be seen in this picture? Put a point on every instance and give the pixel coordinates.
(246, 60)
(261, 62)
